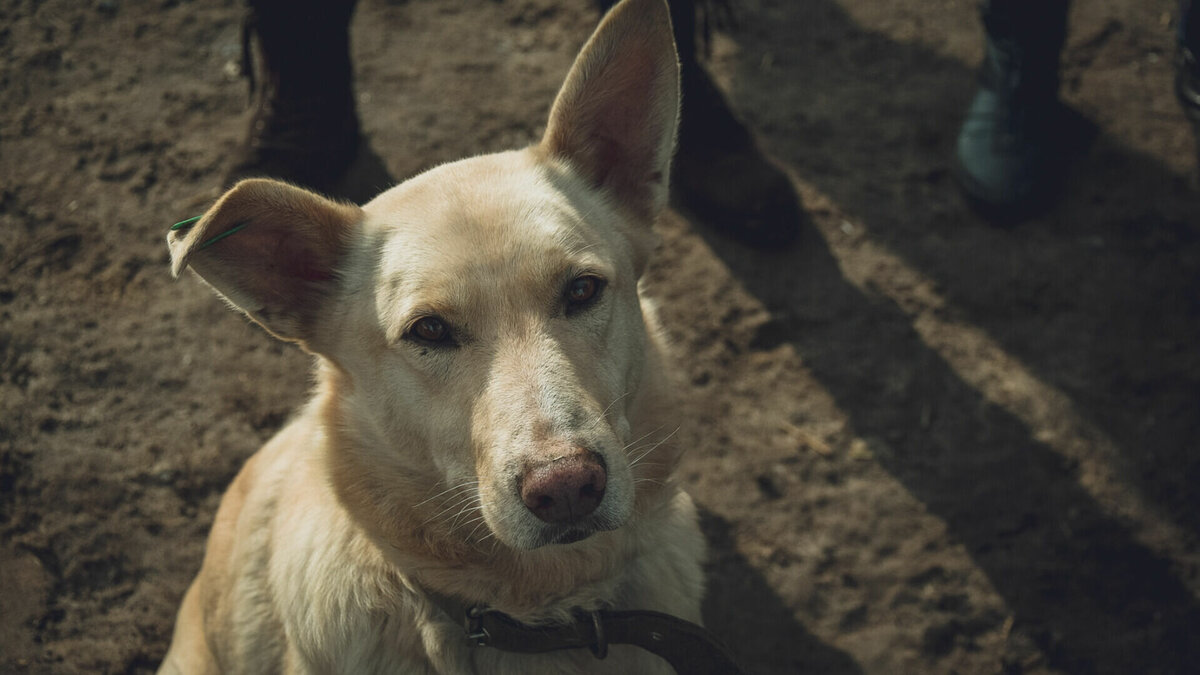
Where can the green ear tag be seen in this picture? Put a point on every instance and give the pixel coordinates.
(221, 236)
(185, 223)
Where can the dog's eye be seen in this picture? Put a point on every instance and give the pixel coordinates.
(430, 329)
(582, 292)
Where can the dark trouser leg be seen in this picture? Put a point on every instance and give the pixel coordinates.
(1010, 148)
(1031, 31)
(1189, 28)
(1187, 67)
(305, 128)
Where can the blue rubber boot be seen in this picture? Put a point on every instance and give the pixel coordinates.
(1012, 148)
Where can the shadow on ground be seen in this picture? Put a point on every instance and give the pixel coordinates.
(1099, 298)
(742, 608)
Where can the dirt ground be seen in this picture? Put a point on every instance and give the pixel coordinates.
(923, 444)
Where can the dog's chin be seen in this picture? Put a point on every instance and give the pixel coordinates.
(570, 536)
(543, 535)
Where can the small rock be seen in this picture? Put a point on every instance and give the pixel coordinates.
(860, 451)
(853, 619)
(768, 486)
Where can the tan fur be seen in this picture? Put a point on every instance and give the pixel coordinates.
(400, 476)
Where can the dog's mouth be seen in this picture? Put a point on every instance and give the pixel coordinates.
(571, 536)
(561, 535)
(531, 536)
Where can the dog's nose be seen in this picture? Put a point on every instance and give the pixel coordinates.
(565, 489)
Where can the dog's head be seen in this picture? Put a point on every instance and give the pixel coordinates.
(484, 340)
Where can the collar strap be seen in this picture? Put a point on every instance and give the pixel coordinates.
(689, 648)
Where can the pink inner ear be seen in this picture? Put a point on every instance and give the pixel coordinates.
(299, 261)
(614, 119)
(305, 272)
(276, 254)
(278, 263)
(621, 101)
(607, 155)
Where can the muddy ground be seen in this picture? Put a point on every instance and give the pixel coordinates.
(924, 444)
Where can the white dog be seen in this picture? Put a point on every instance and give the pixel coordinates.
(491, 425)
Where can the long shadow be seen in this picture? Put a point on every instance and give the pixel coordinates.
(745, 612)
(1078, 582)
(1100, 296)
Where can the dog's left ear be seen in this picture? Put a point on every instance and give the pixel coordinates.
(616, 116)
(272, 250)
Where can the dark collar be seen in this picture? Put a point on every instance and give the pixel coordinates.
(689, 648)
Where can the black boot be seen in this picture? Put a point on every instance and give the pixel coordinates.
(305, 128)
(1013, 146)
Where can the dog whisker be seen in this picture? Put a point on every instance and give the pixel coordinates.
(635, 441)
(490, 533)
(472, 505)
(610, 405)
(634, 461)
(447, 508)
(646, 464)
(455, 488)
(482, 522)
(636, 454)
(462, 503)
(467, 522)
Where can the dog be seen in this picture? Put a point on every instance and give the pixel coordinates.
(492, 420)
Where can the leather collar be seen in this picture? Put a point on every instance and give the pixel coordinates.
(689, 648)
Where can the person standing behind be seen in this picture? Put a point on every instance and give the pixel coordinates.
(1017, 137)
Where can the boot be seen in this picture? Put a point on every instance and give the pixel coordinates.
(1011, 151)
(305, 127)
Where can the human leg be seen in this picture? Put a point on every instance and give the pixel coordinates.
(1011, 148)
(305, 126)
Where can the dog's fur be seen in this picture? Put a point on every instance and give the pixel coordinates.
(402, 477)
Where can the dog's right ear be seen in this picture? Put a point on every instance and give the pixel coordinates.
(270, 249)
